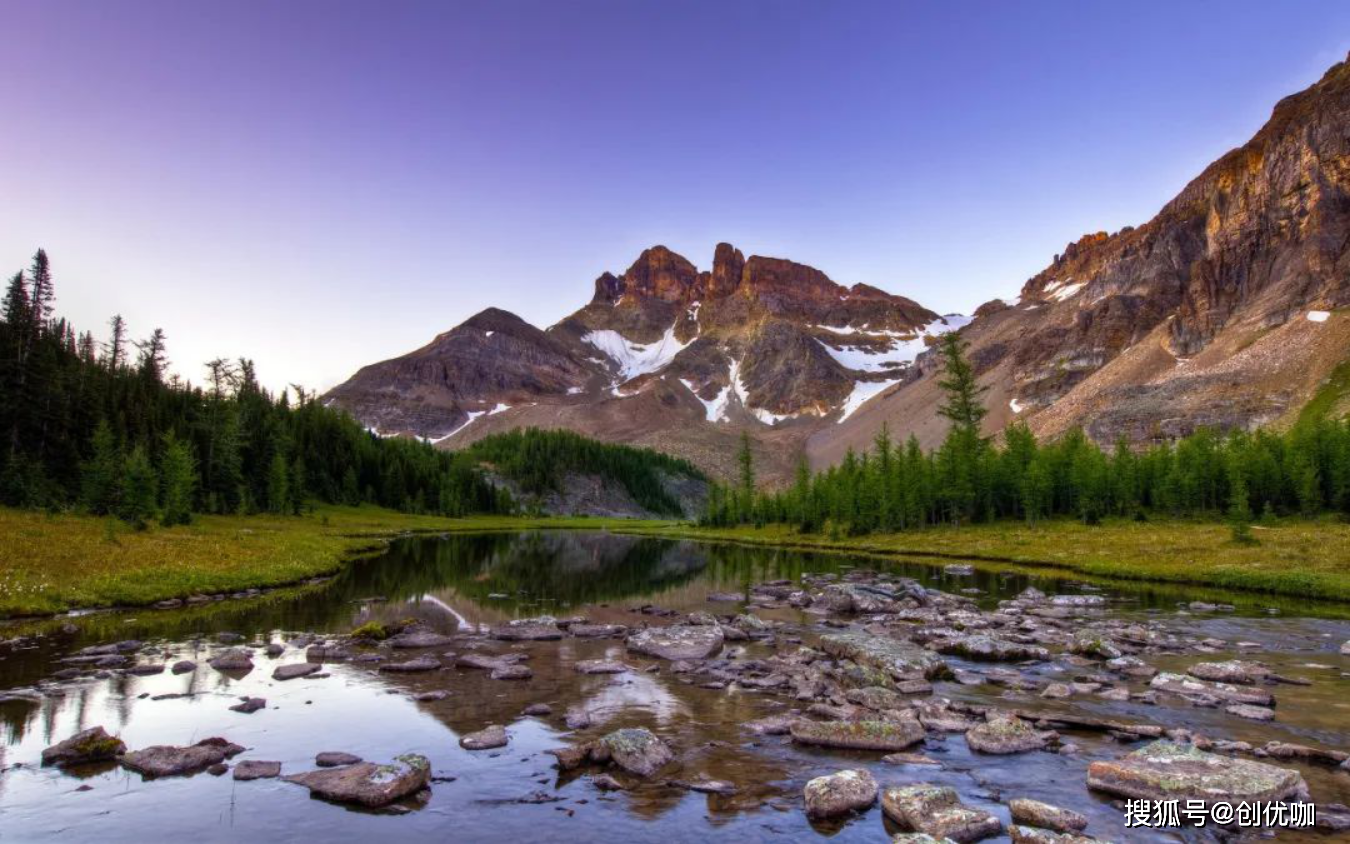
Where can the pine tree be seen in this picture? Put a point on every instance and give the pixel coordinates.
(140, 489)
(42, 295)
(153, 360)
(115, 352)
(278, 485)
(745, 462)
(101, 475)
(178, 476)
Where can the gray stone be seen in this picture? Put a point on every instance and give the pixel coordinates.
(1003, 734)
(1166, 770)
(253, 769)
(599, 666)
(840, 793)
(249, 705)
(419, 639)
(335, 758)
(295, 670)
(488, 738)
(898, 658)
(164, 760)
(937, 811)
(636, 750)
(889, 736)
(679, 641)
(232, 660)
(91, 745)
(366, 783)
(183, 666)
(422, 663)
(1036, 813)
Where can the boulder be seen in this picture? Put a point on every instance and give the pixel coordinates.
(636, 750)
(183, 666)
(599, 666)
(366, 783)
(1179, 684)
(1166, 770)
(296, 669)
(1236, 671)
(992, 649)
(253, 769)
(164, 760)
(1036, 813)
(1004, 734)
(233, 660)
(889, 736)
(488, 738)
(937, 811)
(528, 630)
(1093, 644)
(678, 641)
(91, 745)
(840, 793)
(896, 657)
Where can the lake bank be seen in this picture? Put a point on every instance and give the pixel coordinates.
(56, 563)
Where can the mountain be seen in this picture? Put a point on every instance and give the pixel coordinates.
(664, 355)
(1221, 311)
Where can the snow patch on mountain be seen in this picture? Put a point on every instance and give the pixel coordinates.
(636, 359)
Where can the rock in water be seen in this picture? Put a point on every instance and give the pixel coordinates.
(253, 769)
(528, 630)
(1166, 770)
(896, 657)
(636, 750)
(335, 758)
(992, 649)
(366, 783)
(840, 793)
(937, 811)
(679, 641)
(164, 760)
(511, 672)
(1179, 684)
(419, 639)
(422, 663)
(1003, 734)
(858, 735)
(1032, 835)
(250, 705)
(599, 666)
(1233, 671)
(233, 659)
(91, 745)
(183, 666)
(1036, 813)
(491, 736)
(296, 669)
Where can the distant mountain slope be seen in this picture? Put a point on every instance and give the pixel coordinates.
(1222, 310)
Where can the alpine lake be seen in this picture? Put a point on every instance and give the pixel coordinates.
(1110, 659)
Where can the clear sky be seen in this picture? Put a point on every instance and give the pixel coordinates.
(320, 184)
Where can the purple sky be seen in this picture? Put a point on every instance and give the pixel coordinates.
(319, 185)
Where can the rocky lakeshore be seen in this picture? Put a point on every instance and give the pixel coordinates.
(865, 704)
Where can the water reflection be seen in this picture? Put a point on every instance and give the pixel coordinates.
(459, 583)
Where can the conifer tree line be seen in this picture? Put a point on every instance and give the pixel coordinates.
(1238, 476)
(101, 427)
(538, 461)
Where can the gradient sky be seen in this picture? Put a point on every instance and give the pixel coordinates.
(319, 185)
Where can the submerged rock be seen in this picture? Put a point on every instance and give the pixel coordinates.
(1166, 770)
(840, 793)
(513, 671)
(858, 735)
(91, 745)
(1036, 813)
(1180, 684)
(249, 705)
(422, 663)
(896, 657)
(773, 725)
(366, 783)
(937, 811)
(678, 641)
(599, 666)
(335, 758)
(164, 760)
(1004, 734)
(598, 631)
(488, 738)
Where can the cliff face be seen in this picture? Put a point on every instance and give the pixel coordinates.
(1222, 310)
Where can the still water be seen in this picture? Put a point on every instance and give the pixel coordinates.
(455, 584)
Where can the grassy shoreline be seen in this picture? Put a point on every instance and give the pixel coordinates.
(55, 563)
